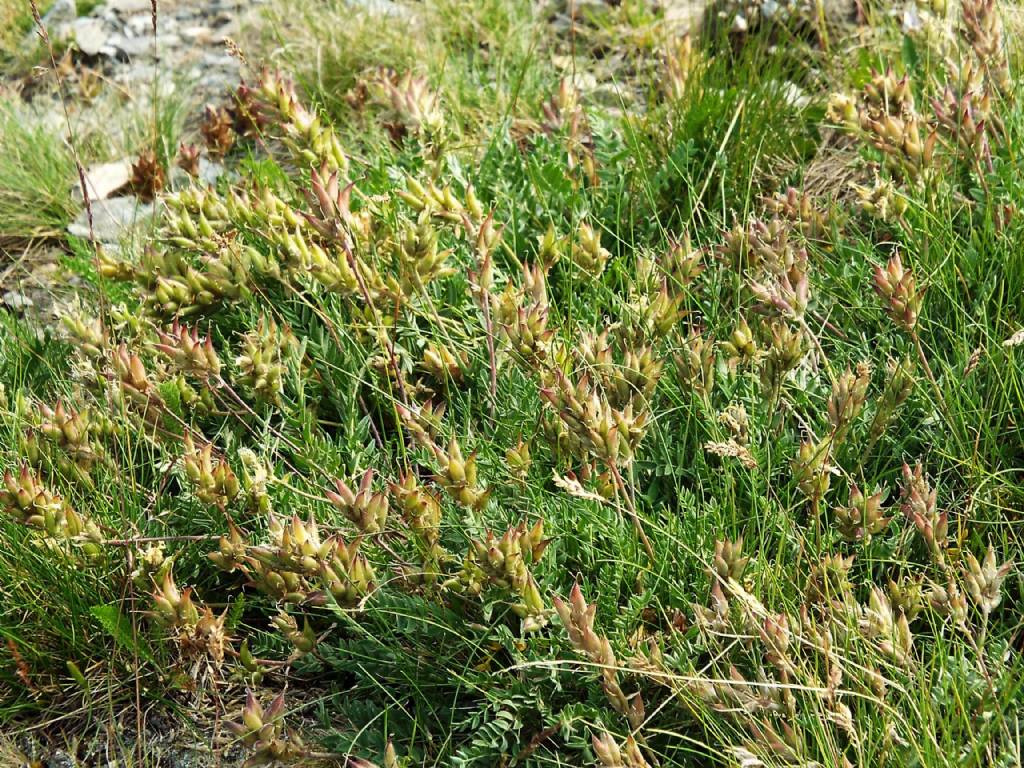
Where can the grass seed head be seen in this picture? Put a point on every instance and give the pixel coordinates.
(741, 346)
(214, 482)
(587, 253)
(918, 502)
(346, 574)
(862, 517)
(264, 732)
(302, 640)
(984, 580)
(188, 159)
(218, 132)
(366, 509)
(849, 393)
(148, 176)
(188, 351)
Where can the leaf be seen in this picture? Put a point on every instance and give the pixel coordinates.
(235, 614)
(119, 627)
(76, 673)
(910, 56)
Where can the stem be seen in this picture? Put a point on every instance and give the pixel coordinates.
(631, 508)
(818, 348)
(931, 376)
(866, 453)
(822, 25)
(485, 305)
(151, 539)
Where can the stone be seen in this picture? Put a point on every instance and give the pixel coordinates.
(89, 34)
(104, 180)
(384, 7)
(230, 28)
(217, 82)
(151, 76)
(128, 7)
(141, 25)
(134, 47)
(60, 759)
(197, 34)
(60, 12)
(222, 60)
(30, 747)
(185, 758)
(57, 21)
(138, 73)
(112, 218)
(210, 171)
(683, 15)
(17, 301)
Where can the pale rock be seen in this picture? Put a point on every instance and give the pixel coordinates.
(128, 7)
(138, 73)
(682, 15)
(90, 35)
(134, 47)
(112, 219)
(60, 12)
(57, 21)
(210, 171)
(104, 180)
(381, 7)
(16, 300)
(141, 25)
(197, 34)
(222, 60)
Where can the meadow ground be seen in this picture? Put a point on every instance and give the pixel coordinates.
(506, 383)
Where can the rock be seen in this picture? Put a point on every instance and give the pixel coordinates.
(128, 7)
(149, 75)
(198, 34)
(210, 171)
(57, 22)
(221, 60)
(60, 759)
(793, 94)
(17, 301)
(104, 180)
(385, 7)
(60, 12)
(141, 25)
(229, 28)
(683, 15)
(912, 21)
(217, 82)
(134, 47)
(185, 758)
(29, 747)
(112, 218)
(89, 35)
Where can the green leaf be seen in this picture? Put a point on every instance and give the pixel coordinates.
(235, 614)
(76, 673)
(910, 57)
(119, 627)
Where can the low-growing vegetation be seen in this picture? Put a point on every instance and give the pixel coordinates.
(543, 385)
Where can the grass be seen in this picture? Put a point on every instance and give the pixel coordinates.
(37, 166)
(36, 175)
(17, 22)
(622, 504)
